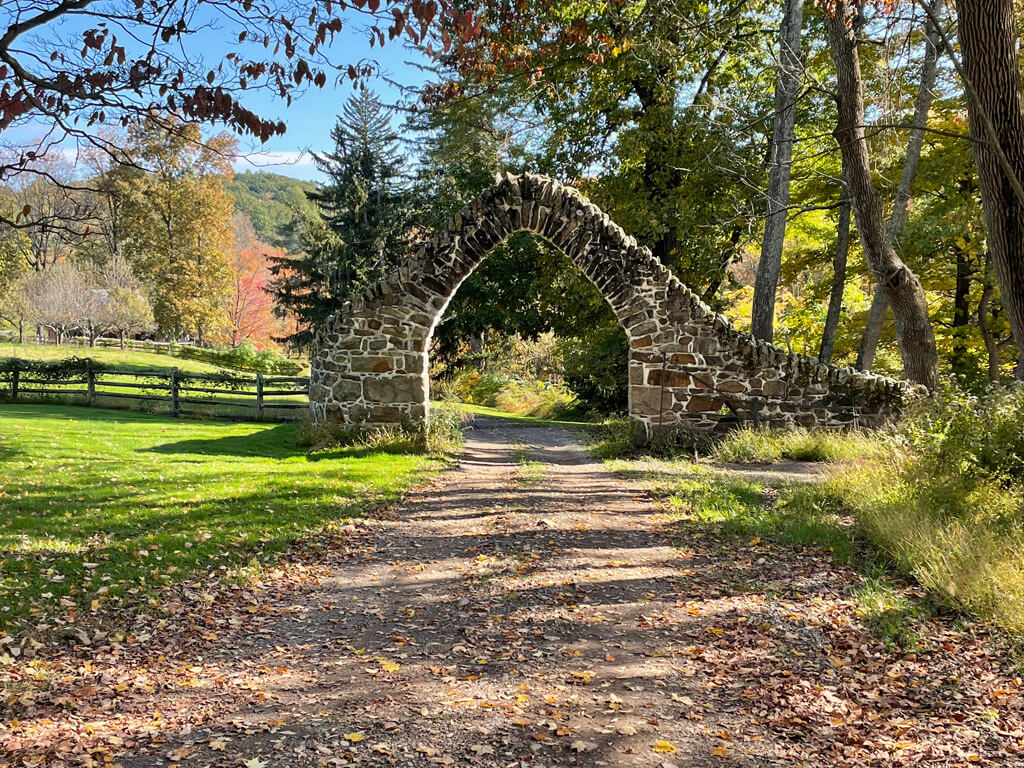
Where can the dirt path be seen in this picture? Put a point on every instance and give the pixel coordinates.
(527, 611)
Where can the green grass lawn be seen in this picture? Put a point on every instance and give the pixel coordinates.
(231, 405)
(101, 508)
(125, 360)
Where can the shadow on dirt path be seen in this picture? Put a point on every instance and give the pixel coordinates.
(533, 614)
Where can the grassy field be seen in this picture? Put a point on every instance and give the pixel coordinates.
(237, 404)
(101, 508)
(124, 360)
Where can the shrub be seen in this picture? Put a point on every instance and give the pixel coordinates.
(617, 438)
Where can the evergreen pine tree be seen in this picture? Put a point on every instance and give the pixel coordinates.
(364, 216)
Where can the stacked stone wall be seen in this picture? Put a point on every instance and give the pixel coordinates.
(688, 367)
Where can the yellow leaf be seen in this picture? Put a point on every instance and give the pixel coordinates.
(719, 751)
(389, 666)
(663, 746)
(355, 738)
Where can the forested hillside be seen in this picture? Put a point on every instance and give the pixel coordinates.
(271, 201)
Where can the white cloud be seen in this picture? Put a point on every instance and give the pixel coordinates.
(261, 159)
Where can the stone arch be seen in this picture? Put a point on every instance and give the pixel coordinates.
(688, 366)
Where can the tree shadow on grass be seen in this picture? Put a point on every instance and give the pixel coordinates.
(277, 442)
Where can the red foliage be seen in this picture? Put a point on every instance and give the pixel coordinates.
(249, 306)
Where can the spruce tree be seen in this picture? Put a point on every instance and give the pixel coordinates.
(364, 216)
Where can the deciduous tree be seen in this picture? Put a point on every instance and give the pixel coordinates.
(991, 66)
(69, 66)
(176, 224)
(902, 287)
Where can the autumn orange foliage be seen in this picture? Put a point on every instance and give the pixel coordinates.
(248, 303)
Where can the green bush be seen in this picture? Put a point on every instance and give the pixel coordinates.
(440, 435)
(617, 438)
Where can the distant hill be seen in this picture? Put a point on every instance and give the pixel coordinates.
(270, 200)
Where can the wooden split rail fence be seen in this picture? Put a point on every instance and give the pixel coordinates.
(173, 392)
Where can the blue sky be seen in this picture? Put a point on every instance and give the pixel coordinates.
(311, 117)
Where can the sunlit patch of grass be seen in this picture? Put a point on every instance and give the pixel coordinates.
(752, 444)
(891, 615)
(800, 515)
(101, 508)
(793, 513)
(472, 409)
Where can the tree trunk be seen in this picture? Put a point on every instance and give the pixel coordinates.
(961, 309)
(728, 254)
(835, 302)
(988, 40)
(872, 330)
(984, 306)
(121, 335)
(787, 90)
(902, 287)
(904, 192)
(21, 331)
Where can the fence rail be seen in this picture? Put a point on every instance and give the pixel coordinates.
(170, 392)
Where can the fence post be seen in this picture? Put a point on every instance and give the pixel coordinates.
(90, 384)
(15, 375)
(175, 405)
(259, 396)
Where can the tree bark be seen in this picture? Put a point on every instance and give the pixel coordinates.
(984, 307)
(904, 192)
(835, 302)
(902, 287)
(872, 330)
(787, 90)
(988, 40)
(961, 309)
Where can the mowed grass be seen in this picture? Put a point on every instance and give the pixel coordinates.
(101, 509)
(122, 360)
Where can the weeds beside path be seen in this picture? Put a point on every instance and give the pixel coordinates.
(560, 622)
